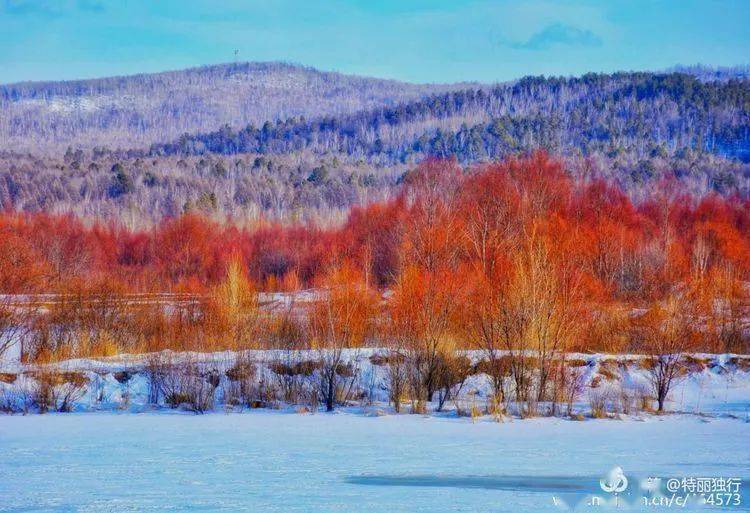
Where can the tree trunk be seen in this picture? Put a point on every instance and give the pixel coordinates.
(331, 392)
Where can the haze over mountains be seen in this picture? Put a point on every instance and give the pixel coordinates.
(291, 142)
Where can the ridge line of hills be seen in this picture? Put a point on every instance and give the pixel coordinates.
(285, 141)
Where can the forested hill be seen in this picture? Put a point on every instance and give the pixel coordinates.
(136, 111)
(300, 144)
(642, 114)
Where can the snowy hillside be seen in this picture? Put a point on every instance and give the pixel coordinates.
(135, 111)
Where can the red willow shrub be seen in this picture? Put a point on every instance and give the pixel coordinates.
(457, 219)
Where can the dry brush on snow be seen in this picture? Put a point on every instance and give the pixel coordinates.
(597, 386)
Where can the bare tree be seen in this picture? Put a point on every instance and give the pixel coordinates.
(539, 319)
(233, 308)
(421, 312)
(482, 325)
(667, 331)
(340, 319)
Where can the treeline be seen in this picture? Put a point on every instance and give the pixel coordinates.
(449, 239)
(297, 187)
(711, 73)
(611, 237)
(642, 114)
(142, 191)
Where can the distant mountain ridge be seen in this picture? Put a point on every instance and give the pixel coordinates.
(138, 110)
(291, 143)
(640, 114)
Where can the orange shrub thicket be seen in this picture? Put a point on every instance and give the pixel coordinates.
(471, 255)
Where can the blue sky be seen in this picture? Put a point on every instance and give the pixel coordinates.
(418, 41)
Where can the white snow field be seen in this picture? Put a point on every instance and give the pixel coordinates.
(285, 462)
(116, 452)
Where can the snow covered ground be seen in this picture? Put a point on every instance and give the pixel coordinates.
(277, 462)
(714, 385)
(116, 452)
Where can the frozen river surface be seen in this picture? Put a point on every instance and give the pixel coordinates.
(277, 462)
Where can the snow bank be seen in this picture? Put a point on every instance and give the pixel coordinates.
(714, 384)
